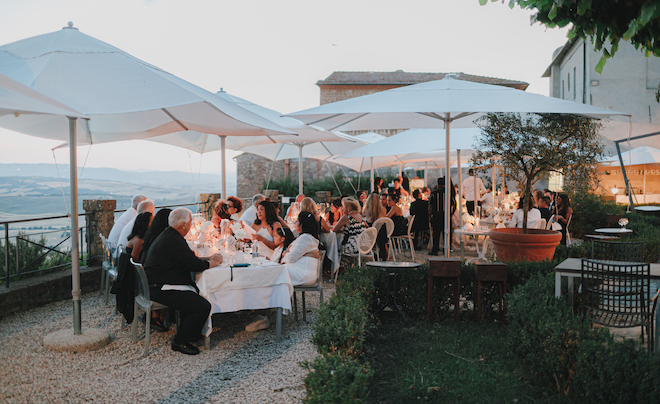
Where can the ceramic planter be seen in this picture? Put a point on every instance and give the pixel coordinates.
(536, 245)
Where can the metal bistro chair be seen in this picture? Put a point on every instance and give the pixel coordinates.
(618, 294)
(365, 245)
(629, 251)
(408, 238)
(389, 226)
(143, 301)
(316, 287)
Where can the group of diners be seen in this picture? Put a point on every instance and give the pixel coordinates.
(158, 242)
(544, 204)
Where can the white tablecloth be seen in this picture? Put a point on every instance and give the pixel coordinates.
(331, 248)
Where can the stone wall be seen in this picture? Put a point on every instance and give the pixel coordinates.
(333, 93)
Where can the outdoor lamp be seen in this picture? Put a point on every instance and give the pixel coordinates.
(615, 190)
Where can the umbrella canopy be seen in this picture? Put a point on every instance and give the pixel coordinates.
(437, 104)
(124, 97)
(639, 155)
(17, 99)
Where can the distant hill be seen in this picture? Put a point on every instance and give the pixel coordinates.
(36, 189)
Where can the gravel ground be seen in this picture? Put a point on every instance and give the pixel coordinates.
(240, 367)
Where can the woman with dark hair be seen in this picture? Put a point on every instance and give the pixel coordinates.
(220, 212)
(396, 214)
(234, 205)
(265, 226)
(301, 258)
(136, 238)
(335, 211)
(533, 214)
(420, 209)
(378, 185)
(285, 236)
(351, 224)
(159, 224)
(563, 214)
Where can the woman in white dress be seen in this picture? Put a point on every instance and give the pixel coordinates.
(265, 226)
(533, 215)
(301, 258)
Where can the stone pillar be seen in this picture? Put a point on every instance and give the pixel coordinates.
(100, 217)
(207, 201)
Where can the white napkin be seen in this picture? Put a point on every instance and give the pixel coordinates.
(501, 226)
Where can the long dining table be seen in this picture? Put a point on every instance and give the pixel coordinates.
(261, 285)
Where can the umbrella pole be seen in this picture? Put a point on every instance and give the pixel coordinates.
(447, 189)
(644, 168)
(75, 262)
(372, 174)
(300, 169)
(224, 167)
(425, 169)
(492, 183)
(460, 199)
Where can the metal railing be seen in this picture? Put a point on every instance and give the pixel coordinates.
(34, 266)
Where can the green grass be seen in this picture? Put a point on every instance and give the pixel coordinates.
(447, 363)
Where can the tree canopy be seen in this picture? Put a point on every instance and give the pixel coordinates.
(637, 21)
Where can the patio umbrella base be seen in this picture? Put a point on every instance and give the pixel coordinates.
(66, 341)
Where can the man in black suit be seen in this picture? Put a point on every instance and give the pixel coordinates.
(437, 213)
(544, 202)
(168, 266)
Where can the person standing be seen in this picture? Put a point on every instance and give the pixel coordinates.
(420, 209)
(472, 193)
(437, 213)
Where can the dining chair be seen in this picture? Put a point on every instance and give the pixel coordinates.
(548, 225)
(408, 238)
(316, 287)
(568, 234)
(629, 251)
(539, 224)
(618, 294)
(109, 266)
(143, 301)
(365, 244)
(389, 226)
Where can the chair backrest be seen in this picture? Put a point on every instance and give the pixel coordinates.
(628, 251)
(539, 224)
(613, 220)
(569, 222)
(389, 225)
(548, 225)
(366, 240)
(616, 294)
(143, 297)
(410, 225)
(107, 254)
(319, 278)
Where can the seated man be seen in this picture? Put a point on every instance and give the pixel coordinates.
(544, 204)
(145, 206)
(250, 214)
(168, 266)
(126, 217)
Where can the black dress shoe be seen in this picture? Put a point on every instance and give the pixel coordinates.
(185, 348)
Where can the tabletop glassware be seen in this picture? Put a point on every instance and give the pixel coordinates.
(623, 222)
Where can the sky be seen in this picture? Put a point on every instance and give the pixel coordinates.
(273, 52)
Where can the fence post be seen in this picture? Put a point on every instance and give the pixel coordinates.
(100, 217)
(7, 255)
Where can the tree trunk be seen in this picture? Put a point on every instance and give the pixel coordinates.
(525, 198)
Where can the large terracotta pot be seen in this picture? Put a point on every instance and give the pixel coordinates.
(536, 245)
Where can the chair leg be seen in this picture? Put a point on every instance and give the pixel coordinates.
(147, 332)
(303, 307)
(134, 323)
(107, 288)
(359, 261)
(102, 279)
(412, 248)
(295, 305)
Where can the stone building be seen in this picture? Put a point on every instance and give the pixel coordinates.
(253, 171)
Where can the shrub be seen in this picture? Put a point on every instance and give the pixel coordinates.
(341, 324)
(336, 378)
(590, 212)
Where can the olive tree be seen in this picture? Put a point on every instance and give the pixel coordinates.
(533, 145)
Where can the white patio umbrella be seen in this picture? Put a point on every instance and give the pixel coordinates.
(437, 104)
(124, 98)
(302, 135)
(17, 99)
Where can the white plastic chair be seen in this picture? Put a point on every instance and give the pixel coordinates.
(143, 301)
(389, 226)
(539, 224)
(316, 287)
(408, 238)
(109, 266)
(548, 225)
(365, 243)
(568, 235)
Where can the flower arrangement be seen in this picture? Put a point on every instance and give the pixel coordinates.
(239, 232)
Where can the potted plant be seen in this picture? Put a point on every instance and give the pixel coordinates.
(529, 147)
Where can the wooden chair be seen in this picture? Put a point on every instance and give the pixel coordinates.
(408, 238)
(448, 269)
(316, 287)
(491, 272)
(389, 225)
(618, 294)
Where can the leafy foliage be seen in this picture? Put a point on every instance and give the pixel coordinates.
(536, 144)
(590, 212)
(32, 256)
(336, 378)
(347, 185)
(637, 21)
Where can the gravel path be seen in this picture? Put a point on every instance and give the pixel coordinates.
(240, 367)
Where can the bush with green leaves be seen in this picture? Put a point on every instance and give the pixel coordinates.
(342, 324)
(590, 212)
(32, 257)
(336, 377)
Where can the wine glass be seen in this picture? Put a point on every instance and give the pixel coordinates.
(623, 222)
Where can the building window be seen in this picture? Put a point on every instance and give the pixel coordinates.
(569, 83)
(574, 85)
(562, 89)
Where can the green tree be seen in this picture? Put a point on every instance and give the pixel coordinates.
(637, 21)
(533, 145)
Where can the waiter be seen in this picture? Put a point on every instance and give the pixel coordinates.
(437, 213)
(469, 185)
(168, 266)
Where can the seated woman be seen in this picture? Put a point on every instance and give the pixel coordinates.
(136, 238)
(234, 205)
(159, 224)
(372, 210)
(302, 255)
(395, 213)
(563, 215)
(335, 212)
(533, 215)
(351, 224)
(220, 211)
(265, 226)
(308, 205)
